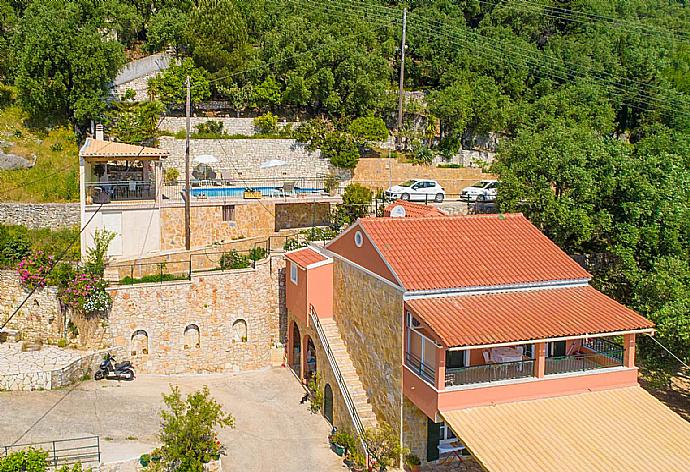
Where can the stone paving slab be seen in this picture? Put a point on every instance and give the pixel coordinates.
(14, 361)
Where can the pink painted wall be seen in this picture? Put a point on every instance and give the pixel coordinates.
(534, 389)
(296, 295)
(320, 290)
(365, 256)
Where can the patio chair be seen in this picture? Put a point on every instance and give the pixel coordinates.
(288, 189)
(487, 360)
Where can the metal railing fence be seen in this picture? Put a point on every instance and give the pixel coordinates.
(84, 450)
(416, 365)
(489, 373)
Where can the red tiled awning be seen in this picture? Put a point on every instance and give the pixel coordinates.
(473, 320)
(305, 257)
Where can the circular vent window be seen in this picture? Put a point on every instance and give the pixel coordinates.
(359, 239)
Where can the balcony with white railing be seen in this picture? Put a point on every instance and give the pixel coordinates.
(436, 377)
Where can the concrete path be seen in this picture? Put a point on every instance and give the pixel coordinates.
(273, 431)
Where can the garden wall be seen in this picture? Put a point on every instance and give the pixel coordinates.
(217, 321)
(243, 126)
(40, 215)
(241, 158)
(379, 173)
(40, 319)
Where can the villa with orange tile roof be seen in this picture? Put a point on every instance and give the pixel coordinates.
(476, 336)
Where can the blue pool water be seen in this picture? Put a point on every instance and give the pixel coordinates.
(239, 191)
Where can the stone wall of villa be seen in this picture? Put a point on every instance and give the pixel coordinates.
(40, 215)
(369, 315)
(40, 319)
(240, 159)
(251, 220)
(217, 321)
(414, 429)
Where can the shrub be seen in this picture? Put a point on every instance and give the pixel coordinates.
(171, 175)
(13, 247)
(33, 270)
(412, 459)
(56, 147)
(210, 127)
(293, 243)
(188, 434)
(86, 292)
(384, 445)
(346, 440)
(340, 150)
(257, 253)
(266, 124)
(316, 399)
(97, 254)
(33, 460)
(367, 129)
(233, 260)
(356, 201)
(331, 183)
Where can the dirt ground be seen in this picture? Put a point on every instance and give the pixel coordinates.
(273, 431)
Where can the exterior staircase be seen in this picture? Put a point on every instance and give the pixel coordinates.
(349, 374)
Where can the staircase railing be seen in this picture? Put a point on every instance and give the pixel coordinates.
(356, 420)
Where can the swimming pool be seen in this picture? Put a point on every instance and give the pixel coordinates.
(238, 192)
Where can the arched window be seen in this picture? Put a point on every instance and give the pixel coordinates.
(239, 331)
(140, 342)
(192, 338)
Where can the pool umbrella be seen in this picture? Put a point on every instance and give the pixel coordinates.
(205, 159)
(272, 163)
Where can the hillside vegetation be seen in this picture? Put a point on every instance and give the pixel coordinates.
(590, 100)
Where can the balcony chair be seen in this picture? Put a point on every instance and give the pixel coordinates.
(288, 189)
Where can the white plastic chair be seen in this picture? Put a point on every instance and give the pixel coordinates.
(487, 360)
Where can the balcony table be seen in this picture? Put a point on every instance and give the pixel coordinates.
(505, 354)
(453, 450)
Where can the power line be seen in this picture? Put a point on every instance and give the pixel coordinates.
(668, 350)
(52, 266)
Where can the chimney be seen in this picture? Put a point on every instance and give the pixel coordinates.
(99, 132)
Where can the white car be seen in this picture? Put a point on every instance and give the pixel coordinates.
(484, 190)
(417, 189)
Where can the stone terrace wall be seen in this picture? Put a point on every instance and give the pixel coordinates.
(39, 319)
(218, 303)
(243, 126)
(375, 173)
(246, 155)
(40, 215)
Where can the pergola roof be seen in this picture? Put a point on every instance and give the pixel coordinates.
(95, 149)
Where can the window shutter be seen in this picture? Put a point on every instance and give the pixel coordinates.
(433, 436)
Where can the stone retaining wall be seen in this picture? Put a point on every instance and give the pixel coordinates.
(56, 378)
(241, 158)
(217, 321)
(40, 319)
(40, 215)
(231, 126)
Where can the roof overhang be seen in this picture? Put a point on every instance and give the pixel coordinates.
(621, 429)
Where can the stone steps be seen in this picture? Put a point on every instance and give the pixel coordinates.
(349, 373)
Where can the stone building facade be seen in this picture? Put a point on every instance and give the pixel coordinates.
(217, 321)
(40, 215)
(256, 219)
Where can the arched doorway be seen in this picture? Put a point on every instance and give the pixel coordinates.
(328, 403)
(309, 359)
(296, 361)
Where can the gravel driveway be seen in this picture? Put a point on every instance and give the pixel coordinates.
(273, 431)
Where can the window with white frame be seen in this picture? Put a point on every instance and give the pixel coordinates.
(447, 435)
(293, 273)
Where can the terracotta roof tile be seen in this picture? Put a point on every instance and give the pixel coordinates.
(306, 256)
(413, 210)
(471, 320)
(97, 148)
(468, 251)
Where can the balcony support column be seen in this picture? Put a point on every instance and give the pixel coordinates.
(539, 359)
(158, 179)
(629, 350)
(441, 369)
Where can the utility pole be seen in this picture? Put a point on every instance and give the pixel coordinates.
(402, 74)
(187, 190)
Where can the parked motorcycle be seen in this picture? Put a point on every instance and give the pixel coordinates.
(109, 369)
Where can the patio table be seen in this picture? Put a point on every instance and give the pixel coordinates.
(505, 354)
(453, 450)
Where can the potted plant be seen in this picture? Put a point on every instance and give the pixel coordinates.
(412, 461)
(343, 443)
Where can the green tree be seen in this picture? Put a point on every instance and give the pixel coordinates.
(384, 446)
(64, 64)
(340, 149)
(217, 35)
(167, 28)
(188, 429)
(134, 122)
(368, 129)
(170, 86)
(356, 201)
(8, 21)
